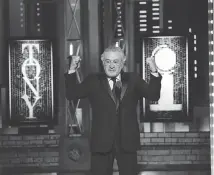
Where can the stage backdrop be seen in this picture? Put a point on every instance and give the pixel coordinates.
(31, 93)
(171, 58)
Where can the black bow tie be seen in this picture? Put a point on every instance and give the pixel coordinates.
(114, 79)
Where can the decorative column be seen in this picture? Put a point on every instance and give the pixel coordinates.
(94, 35)
(17, 18)
(75, 154)
(74, 47)
(106, 25)
(3, 37)
(113, 21)
(129, 35)
(118, 27)
(211, 82)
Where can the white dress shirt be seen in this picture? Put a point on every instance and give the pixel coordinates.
(111, 82)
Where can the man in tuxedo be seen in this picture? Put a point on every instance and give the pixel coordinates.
(113, 96)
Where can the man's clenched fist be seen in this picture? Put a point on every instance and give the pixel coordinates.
(75, 63)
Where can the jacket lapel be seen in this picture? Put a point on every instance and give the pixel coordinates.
(124, 79)
(106, 86)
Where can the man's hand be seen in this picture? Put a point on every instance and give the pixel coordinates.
(75, 63)
(151, 62)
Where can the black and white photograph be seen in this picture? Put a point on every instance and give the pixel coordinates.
(106, 87)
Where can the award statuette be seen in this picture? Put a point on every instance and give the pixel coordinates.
(165, 60)
(171, 58)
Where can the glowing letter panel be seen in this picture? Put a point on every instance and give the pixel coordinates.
(31, 82)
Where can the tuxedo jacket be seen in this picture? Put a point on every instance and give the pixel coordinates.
(105, 112)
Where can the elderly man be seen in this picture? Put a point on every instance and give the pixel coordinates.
(113, 96)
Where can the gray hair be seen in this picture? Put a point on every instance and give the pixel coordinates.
(113, 48)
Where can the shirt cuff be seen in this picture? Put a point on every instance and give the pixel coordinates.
(71, 71)
(155, 74)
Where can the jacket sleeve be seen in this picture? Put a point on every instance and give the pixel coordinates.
(75, 90)
(149, 90)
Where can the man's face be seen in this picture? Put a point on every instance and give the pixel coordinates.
(113, 62)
